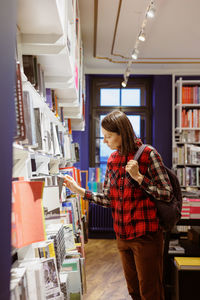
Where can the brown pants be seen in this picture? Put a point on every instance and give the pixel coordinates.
(142, 260)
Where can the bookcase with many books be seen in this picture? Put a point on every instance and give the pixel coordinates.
(184, 239)
(186, 143)
(47, 220)
(186, 132)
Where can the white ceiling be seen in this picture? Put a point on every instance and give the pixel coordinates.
(110, 29)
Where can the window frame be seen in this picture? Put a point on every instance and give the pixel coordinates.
(98, 82)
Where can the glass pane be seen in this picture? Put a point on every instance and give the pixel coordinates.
(97, 151)
(102, 152)
(136, 121)
(109, 97)
(100, 132)
(103, 170)
(131, 97)
(105, 151)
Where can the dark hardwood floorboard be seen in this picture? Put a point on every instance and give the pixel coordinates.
(104, 273)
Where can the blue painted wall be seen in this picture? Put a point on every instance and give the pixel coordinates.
(82, 137)
(161, 122)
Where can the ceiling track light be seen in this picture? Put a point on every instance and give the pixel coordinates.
(151, 10)
(135, 54)
(124, 83)
(141, 36)
(150, 13)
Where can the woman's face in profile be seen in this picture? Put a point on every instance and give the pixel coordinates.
(112, 139)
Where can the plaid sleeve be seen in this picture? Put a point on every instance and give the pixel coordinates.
(102, 199)
(158, 183)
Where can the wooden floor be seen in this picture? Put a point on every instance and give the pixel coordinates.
(104, 274)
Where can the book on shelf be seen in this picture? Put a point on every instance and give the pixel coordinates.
(51, 201)
(34, 278)
(51, 279)
(190, 208)
(55, 232)
(18, 284)
(64, 285)
(187, 263)
(49, 98)
(27, 213)
(43, 249)
(42, 165)
(37, 113)
(55, 139)
(29, 68)
(190, 118)
(47, 144)
(29, 119)
(189, 176)
(190, 94)
(192, 155)
(20, 132)
(71, 266)
(69, 237)
(41, 83)
(175, 248)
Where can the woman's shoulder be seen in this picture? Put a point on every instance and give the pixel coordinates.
(115, 158)
(152, 152)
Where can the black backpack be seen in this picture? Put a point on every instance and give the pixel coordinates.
(169, 213)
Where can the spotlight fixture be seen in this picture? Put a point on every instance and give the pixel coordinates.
(135, 54)
(141, 36)
(151, 11)
(124, 83)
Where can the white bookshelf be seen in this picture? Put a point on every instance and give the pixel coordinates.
(186, 132)
(47, 29)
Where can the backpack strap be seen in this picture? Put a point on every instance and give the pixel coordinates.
(139, 151)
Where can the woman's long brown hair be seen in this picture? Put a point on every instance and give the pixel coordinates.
(118, 122)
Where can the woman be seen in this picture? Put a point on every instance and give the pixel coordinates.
(128, 187)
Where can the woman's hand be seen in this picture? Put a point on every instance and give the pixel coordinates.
(133, 169)
(71, 184)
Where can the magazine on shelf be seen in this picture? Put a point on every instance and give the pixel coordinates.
(51, 280)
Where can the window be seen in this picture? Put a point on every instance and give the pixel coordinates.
(107, 95)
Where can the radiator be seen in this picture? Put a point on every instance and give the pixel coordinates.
(100, 218)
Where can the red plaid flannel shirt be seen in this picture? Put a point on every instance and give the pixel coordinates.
(134, 213)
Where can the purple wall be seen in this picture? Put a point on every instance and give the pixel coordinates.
(162, 116)
(82, 137)
(162, 121)
(7, 83)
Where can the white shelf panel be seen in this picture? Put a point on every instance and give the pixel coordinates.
(187, 82)
(69, 94)
(69, 104)
(78, 125)
(40, 17)
(187, 128)
(187, 105)
(57, 65)
(39, 49)
(73, 112)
